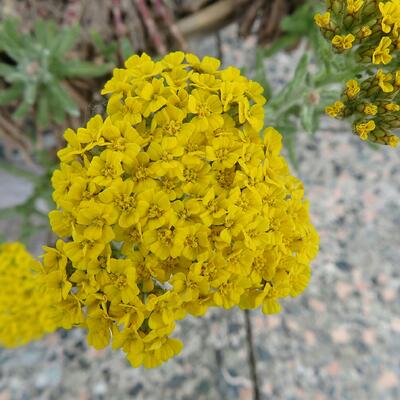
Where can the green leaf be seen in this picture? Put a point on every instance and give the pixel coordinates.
(374, 146)
(10, 26)
(60, 95)
(10, 40)
(42, 114)
(294, 88)
(17, 171)
(300, 73)
(282, 43)
(52, 32)
(6, 70)
(309, 118)
(66, 41)
(126, 48)
(16, 76)
(22, 110)
(98, 41)
(289, 140)
(10, 94)
(328, 97)
(40, 31)
(30, 92)
(85, 69)
(300, 22)
(260, 75)
(108, 51)
(56, 109)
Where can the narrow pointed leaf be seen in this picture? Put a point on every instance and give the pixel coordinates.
(85, 69)
(66, 41)
(60, 95)
(6, 70)
(42, 115)
(22, 110)
(10, 94)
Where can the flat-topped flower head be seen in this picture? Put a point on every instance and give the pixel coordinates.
(170, 204)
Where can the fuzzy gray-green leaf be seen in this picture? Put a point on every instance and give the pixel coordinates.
(85, 69)
(10, 94)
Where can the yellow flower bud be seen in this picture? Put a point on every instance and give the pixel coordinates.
(365, 31)
(322, 20)
(393, 141)
(343, 42)
(353, 88)
(335, 109)
(353, 6)
(370, 109)
(384, 81)
(392, 107)
(382, 54)
(364, 128)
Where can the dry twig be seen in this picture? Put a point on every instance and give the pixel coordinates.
(151, 26)
(208, 18)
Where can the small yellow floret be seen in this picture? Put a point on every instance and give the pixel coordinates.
(353, 6)
(382, 54)
(364, 128)
(370, 109)
(343, 42)
(322, 20)
(335, 109)
(384, 81)
(353, 88)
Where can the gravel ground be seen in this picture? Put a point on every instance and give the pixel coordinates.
(339, 340)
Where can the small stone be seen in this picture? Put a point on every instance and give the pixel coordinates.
(341, 335)
(343, 290)
(100, 389)
(343, 265)
(293, 325)
(333, 368)
(135, 390)
(383, 279)
(83, 395)
(49, 376)
(369, 337)
(246, 393)
(317, 305)
(259, 322)
(387, 380)
(389, 295)
(395, 324)
(274, 321)
(267, 388)
(310, 338)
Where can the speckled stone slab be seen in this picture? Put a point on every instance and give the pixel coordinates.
(338, 340)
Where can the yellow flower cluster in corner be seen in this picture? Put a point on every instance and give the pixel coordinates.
(173, 204)
(25, 311)
(369, 29)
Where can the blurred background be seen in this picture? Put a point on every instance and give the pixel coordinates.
(338, 340)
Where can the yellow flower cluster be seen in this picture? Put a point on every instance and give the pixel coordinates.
(370, 30)
(172, 204)
(25, 312)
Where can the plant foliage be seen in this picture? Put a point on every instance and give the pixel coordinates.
(34, 66)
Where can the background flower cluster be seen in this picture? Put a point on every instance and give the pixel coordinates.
(26, 311)
(369, 31)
